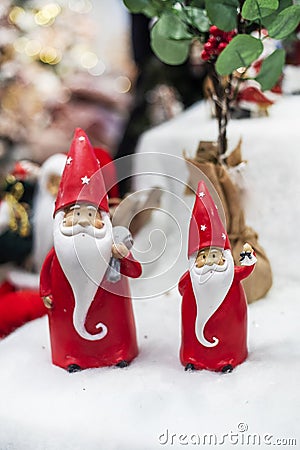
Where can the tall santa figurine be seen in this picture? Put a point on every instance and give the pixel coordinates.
(214, 308)
(90, 317)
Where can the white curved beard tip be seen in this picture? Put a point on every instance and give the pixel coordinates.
(84, 334)
(201, 339)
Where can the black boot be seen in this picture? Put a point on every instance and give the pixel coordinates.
(73, 368)
(189, 367)
(122, 364)
(227, 369)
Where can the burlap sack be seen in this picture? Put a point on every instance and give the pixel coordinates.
(206, 159)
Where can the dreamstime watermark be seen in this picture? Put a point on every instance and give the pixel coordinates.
(241, 437)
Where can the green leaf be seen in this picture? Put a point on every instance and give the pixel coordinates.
(149, 8)
(198, 3)
(170, 26)
(285, 23)
(136, 6)
(240, 52)
(271, 69)
(223, 13)
(257, 9)
(170, 50)
(198, 18)
(268, 20)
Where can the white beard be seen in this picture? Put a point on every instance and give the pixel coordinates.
(84, 254)
(210, 285)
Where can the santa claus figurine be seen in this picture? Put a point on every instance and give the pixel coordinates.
(90, 317)
(214, 307)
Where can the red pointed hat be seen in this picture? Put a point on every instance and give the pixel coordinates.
(206, 227)
(82, 179)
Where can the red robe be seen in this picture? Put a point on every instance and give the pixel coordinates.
(228, 324)
(115, 311)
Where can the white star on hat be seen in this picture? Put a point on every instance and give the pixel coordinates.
(85, 180)
(223, 236)
(69, 160)
(201, 194)
(203, 227)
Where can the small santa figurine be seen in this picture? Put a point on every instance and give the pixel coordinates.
(90, 316)
(214, 307)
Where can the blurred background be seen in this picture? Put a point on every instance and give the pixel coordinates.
(63, 64)
(70, 63)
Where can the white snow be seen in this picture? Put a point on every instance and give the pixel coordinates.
(153, 403)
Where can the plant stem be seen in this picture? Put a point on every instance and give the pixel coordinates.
(221, 99)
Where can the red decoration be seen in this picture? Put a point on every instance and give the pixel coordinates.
(113, 309)
(206, 227)
(214, 308)
(254, 95)
(90, 317)
(109, 173)
(82, 179)
(216, 43)
(18, 308)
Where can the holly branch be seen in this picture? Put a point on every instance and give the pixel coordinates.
(225, 30)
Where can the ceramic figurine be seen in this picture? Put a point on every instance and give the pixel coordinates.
(90, 317)
(214, 307)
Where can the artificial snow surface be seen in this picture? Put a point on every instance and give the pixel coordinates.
(153, 403)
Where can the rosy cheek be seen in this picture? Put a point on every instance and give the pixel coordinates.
(68, 221)
(98, 223)
(200, 262)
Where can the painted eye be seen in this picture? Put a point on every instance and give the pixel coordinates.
(90, 214)
(78, 214)
(203, 256)
(214, 256)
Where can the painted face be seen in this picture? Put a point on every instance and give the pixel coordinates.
(209, 256)
(82, 214)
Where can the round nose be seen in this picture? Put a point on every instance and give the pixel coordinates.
(83, 220)
(210, 260)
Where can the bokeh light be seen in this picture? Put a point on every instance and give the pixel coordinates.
(122, 84)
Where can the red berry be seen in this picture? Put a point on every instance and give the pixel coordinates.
(221, 46)
(204, 55)
(214, 30)
(208, 46)
(224, 36)
(213, 41)
(232, 33)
